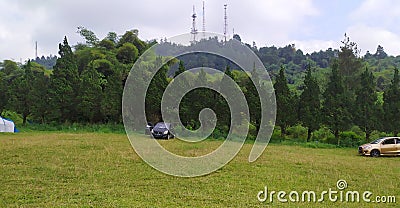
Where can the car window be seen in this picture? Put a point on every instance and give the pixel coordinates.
(389, 141)
(377, 141)
(398, 141)
(161, 126)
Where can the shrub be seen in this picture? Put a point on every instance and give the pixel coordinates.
(297, 132)
(276, 135)
(350, 139)
(12, 116)
(323, 135)
(252, 132)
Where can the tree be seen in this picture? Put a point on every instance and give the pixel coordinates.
(366, 107)
(155, 92)
(65, 85)
(380, 53)
(285, 102)
(222, 107)
(111, 106)
(3, 92)
(40, 96)
(237, 37)
(89, 97)
(132, 37)
(310, 104)
(350, 65)
(127, 53)
(253, 98)
(391, 105)
(202, 98)
(112, 36)
(107, 44)
(335, 105)
(9, 67)
(181, 69)
(89, 36)
(11, 70)
(20, 93)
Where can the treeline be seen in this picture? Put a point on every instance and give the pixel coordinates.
(86, 84)
(48, 62)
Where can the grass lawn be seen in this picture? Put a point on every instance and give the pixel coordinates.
(50, 169)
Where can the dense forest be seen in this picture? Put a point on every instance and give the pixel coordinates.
(335, 96)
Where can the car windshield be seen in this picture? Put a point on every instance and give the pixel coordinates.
(161, 126)
(377, 141)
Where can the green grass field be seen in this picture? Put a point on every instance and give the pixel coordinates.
(102, 170)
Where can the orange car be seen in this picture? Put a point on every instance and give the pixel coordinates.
(381, 146)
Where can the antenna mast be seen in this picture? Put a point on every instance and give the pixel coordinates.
(225, 23)
(194, 30)
(36, 49)
(204, 22)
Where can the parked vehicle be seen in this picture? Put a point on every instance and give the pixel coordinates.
(149, 127)
(381, 146)
(162, 131)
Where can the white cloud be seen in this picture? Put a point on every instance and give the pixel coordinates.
(375, 22)
(272, 22)
(385, 13)
(267, 22)
(309, 46)
(368, 38)
(24, 22)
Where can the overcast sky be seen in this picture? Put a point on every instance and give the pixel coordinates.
(311, 25)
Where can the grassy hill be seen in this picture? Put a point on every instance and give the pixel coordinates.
(102, 170)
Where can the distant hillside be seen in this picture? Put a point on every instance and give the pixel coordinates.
(294, 61)
(48, 62)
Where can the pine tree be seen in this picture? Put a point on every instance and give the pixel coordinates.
(155, 92)
(112, 96)
(285, 103)
(181, 69)
(310, 104)
(366, 107)
(40, 96)
(224, 114)
(65, 85)
(253, 99)
(335, 106)
(391, 105)
(90, 94)
(20, 93)
(3, 92)
(350, 65)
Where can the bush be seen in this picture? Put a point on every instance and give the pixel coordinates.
(12, 116)
(276, 135)
(76, 127)
(297, 132)
(357, 130)
(252, 132)
(350, 139)
(218, 134)
(323, 135)
(377, 134)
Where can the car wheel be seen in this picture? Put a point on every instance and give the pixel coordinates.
(168, 136)
(375, 153)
